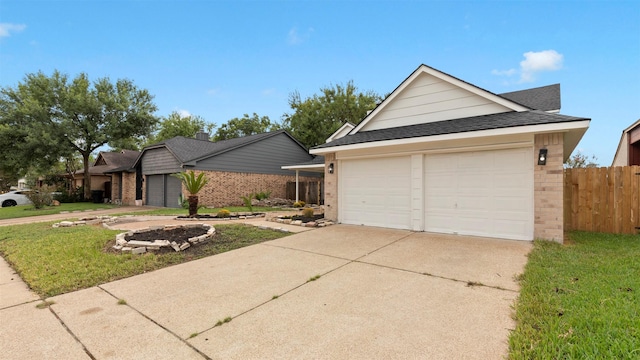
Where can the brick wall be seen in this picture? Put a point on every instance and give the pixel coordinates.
(330, 188)
(128, 188)
(227, 188)
(115, 188)
(548, 188)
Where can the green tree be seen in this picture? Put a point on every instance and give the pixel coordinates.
(314, 119)
(244, 126)
(193, 184)
(177, 125)
(579, 160)
(53, 117)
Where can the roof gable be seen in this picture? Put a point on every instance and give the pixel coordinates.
(429, 95)
(110, 160)
(342, 131)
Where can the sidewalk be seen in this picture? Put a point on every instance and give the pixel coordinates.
(71, 215)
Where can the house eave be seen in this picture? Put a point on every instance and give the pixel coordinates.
(574, 126)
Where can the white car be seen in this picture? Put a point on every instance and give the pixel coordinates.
(13, 198)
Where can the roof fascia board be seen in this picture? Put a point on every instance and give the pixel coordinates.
(543, 128)
(295, 167)
(445, 77)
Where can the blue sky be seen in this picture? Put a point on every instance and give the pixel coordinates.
(222, 59)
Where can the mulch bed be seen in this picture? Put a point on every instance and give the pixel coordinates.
(304, 219)
(178, 235)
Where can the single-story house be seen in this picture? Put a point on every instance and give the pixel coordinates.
(102, 171)
(234, 167)
(442, 155)
(628, 152)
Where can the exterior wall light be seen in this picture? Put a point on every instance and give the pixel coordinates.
(331, 168)
(542, 157)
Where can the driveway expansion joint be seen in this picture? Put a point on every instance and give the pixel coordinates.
(157, 324)
(73, 335)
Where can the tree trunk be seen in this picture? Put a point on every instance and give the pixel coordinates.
(193, 205)
(87, 176)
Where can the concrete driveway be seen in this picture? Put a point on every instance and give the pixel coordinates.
(380, 294)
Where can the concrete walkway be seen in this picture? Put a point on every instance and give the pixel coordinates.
(332, 293)
(72, 215)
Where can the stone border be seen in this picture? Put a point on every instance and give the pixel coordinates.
(140, 247)
(90, 220)
(318, 223)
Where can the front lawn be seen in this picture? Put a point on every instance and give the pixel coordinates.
(13, 212)
(55, 261)
(580, 300)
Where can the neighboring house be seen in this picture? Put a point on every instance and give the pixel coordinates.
(234, 167)
(628, 152)
(102, 172)
(443, 155)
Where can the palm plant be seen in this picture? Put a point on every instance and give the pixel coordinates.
(193, 184)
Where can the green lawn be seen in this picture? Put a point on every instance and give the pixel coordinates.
(580, 300)
(55, 261)
(13, 212)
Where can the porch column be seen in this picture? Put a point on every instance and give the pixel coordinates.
(297, 175)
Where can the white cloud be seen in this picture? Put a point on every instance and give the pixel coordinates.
(6, 29)
(183, 113)
(534, 63)
(295, 37)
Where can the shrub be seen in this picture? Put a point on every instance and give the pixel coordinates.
(40, 197)
(299, 204)
(224, 213)
(247, 201)
(64, 197)
(307, 212)
(263, 195)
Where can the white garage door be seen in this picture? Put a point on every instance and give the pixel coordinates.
(484, 193)
(376, 192)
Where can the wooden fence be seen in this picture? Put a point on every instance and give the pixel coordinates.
(602, 199)
(311, 192)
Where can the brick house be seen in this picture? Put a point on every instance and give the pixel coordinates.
(442, 155)
(234, 167)
(108, 173)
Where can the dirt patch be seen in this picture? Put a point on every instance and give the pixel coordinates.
(304, 219)
(178, 235)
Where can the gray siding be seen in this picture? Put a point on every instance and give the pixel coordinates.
(159, 161)
(263, 157)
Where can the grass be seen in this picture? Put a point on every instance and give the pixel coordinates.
(580, 301)
(13, 212)
(55, 261)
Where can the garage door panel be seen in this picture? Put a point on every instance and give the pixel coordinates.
(376, 192)
(155, 190)
(486, 193)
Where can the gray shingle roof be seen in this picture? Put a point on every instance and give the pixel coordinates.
(475, 123)
(544, 98)
(190, 149)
